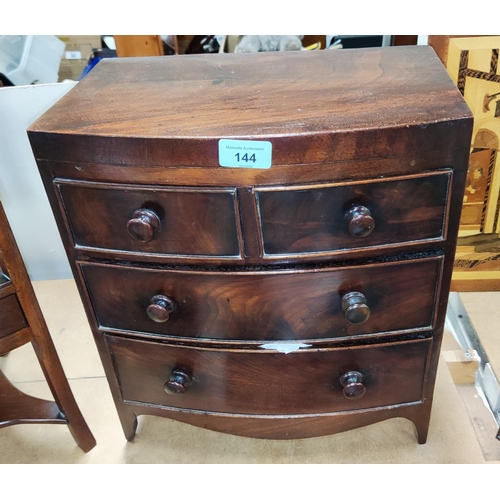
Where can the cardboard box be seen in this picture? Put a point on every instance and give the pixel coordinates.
(93, 40)
(77, 53)
(229, 43)
(71, 70)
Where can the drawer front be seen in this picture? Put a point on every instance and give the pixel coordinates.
(277, 305)
(334, 218)
(260, 382)
(179, 222)
(11, 316)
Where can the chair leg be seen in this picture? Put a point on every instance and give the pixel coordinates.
(63, 395)
(40, 337)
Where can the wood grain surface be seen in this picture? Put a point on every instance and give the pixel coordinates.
(265, 305)
(260, 382)
(314, 106)
(271, 255)
(22, 322)
(11, 316)
(305, 219)
(192, 222)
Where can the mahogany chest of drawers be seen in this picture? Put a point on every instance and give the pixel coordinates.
(301, 288)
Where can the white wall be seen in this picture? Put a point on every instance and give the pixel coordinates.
(21, 189)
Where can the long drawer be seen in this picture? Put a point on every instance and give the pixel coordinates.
(266, 305)
(260, 382)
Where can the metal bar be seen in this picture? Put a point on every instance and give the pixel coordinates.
(460, 323)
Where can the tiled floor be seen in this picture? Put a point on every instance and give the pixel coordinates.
(452, 438)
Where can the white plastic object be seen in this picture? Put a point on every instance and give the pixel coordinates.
(30, 59)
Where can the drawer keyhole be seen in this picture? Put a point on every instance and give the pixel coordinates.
(360, 221)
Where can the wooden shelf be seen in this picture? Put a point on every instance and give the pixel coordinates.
(19, 408)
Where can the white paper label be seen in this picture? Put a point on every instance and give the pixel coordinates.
(245, 154)
(73, 54)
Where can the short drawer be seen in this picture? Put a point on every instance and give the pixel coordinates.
(269, 382)
(265, 305)
(170, 221)
(331, 218)
(11, 316)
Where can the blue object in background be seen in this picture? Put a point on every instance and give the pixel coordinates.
(97, 56)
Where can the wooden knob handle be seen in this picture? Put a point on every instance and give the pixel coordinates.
(177, 382)
(360, 221)
(143, 225)
(160, 307)
(352, 384)
(355, 308)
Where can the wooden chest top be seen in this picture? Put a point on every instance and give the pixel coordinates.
(314, 107)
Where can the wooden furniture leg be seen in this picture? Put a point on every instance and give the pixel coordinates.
(29, 325)
(128, 420)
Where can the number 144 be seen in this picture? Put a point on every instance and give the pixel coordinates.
(245, 158)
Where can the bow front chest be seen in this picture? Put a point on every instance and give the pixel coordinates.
(263, 242)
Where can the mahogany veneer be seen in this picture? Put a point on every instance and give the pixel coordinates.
(290, 304)
(300, 300)
(255, 382)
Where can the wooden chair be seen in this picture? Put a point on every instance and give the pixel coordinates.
(21, 321)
